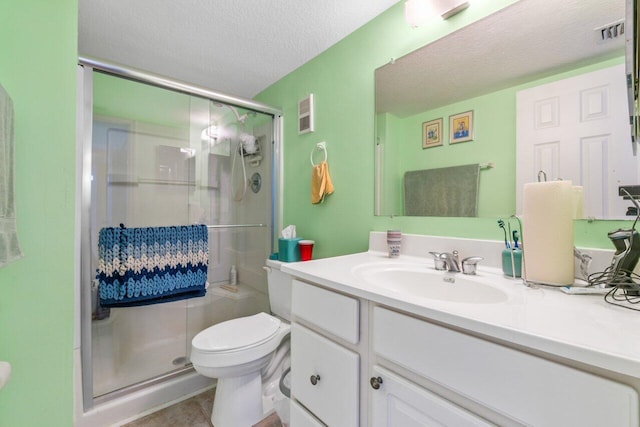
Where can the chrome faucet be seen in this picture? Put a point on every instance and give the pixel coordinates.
(470, 264)
(437, 261)
(451, 261)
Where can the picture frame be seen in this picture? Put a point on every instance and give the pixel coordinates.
(432, 133)
(461, 127)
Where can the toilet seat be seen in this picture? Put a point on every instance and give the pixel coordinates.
(238, 341)
(237, 333)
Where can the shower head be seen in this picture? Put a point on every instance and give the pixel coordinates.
(242, 118)
(239, 118)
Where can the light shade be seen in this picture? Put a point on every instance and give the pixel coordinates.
(418, 12)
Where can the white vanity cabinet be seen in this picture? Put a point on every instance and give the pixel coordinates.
(399, 402)
(324, 374)
(535, 358)
(519, 386)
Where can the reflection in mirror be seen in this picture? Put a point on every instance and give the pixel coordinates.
(480, 69)
(577, 129)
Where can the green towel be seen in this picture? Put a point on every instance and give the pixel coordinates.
(450, 191)
(9, 247)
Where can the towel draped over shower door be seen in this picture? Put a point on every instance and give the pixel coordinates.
(150, 265)
(9, 247)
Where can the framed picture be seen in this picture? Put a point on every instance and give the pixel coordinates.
(461, 127)
(432, 133)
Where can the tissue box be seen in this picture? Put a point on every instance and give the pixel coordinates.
(288, 249)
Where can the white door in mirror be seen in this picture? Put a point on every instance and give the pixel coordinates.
(577, 129)
(5, 373)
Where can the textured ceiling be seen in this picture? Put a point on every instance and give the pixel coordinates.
(528, 40)
(238, 47)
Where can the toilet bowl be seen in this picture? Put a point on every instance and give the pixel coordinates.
(240, 351)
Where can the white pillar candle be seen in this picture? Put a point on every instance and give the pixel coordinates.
(578, 202)
(548, 212)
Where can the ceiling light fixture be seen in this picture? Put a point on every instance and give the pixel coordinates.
(419, 12)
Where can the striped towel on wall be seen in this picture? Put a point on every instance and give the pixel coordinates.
(150, 265)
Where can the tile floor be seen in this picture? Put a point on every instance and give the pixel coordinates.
(192, 412)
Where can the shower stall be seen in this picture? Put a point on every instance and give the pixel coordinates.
(157, 153)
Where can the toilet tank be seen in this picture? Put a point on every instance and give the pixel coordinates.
(279, 284)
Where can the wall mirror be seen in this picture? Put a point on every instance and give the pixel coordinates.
(480, 69)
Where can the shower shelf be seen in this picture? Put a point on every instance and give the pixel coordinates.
(165, 181)
(127, 179)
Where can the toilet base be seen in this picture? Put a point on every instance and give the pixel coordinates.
(238, 401)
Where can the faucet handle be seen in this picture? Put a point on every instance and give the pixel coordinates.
(470, 264)
(438, 261)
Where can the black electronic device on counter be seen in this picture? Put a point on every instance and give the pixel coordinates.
(625, 259)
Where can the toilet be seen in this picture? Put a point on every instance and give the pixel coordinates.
(239, 352)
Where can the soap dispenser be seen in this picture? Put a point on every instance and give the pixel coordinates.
(233, 276)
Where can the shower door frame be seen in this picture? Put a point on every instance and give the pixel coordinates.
(86, 67)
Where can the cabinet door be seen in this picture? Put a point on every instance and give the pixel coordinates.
(301, 418)
(400, 403)
(526, 388)
(324, 377)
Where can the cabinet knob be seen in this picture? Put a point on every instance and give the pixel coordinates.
(314, 379)
(375, 382)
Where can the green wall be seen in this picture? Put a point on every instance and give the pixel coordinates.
(342, 80)
(494, 136)
(38, 56)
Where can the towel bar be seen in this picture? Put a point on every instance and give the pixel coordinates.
(320, 146)
(488, 165)
(235, 225)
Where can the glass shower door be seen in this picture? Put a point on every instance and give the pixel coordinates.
(156, 161)
(143, 175)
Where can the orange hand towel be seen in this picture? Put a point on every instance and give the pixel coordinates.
(321, 184)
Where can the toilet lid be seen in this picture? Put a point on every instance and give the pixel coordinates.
(237, 333)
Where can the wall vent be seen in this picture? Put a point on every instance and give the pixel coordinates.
(610, 32)
(305, 115)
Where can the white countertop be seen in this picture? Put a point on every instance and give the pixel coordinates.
(583, 328)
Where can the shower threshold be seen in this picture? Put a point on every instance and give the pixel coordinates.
(103, 398)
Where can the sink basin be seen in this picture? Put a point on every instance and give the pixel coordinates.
(422, 281)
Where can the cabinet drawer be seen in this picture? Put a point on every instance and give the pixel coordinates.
(334, 398)
(399, 402)
(301, 418)
(333, 312)
(527, 388)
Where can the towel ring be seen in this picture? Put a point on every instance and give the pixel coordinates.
(320, 146)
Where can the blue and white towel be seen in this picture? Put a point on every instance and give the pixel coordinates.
(150, 265)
